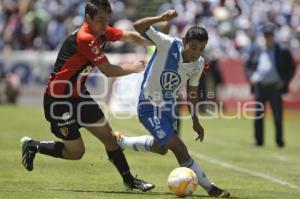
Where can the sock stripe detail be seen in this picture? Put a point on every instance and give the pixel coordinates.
(148, 143)
(188, 164)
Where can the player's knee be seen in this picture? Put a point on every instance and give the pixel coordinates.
(79, 155)
(157, 148)
(163, 151)
(76, 155)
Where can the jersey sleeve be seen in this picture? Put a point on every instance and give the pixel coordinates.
(88, 46)
(194, 79)
(157, 37)
(113, 34)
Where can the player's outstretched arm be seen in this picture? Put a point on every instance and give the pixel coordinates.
(135, 37)
(192, 98)
(116, 71)
(142, 25)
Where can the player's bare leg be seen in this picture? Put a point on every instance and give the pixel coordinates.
(73, 149)
(179, 149)
(104, 133)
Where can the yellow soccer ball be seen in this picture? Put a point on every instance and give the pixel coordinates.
(182, 181)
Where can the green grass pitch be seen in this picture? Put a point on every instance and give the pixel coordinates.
(226, 154)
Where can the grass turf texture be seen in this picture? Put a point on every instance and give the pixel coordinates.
(95, 177)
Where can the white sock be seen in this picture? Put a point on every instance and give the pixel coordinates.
(138, 143)
(202, 179)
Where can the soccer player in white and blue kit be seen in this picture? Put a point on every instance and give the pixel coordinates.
(174, 61)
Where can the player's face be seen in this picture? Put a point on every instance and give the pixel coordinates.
(193, 50)
(99, 23)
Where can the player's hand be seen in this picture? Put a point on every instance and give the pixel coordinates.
(199, 130)
(168, 15)
(138, 66)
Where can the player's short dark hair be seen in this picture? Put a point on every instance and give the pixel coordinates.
(93, 6)
(196, 33)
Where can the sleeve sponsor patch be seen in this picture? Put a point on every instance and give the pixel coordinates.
(95, 50)
(91, 43)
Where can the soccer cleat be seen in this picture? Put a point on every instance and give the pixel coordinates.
(119, 137)
(218, 192)
(139, 184)
(27, 154)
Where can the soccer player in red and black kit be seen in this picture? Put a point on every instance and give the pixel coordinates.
(67, 103)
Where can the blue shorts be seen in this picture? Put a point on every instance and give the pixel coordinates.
(158, 121)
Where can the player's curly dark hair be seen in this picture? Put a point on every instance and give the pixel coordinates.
(93, 6)
(196, 33)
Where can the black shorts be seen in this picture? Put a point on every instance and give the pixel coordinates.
(67, 115)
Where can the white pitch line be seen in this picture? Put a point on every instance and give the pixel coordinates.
(244, 170)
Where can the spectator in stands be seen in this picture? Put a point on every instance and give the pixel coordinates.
(269, 70)
(12, 87)
(9, 87)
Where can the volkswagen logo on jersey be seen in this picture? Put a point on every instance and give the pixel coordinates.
(170, 80)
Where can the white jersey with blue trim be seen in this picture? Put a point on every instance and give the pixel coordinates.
(166, 71)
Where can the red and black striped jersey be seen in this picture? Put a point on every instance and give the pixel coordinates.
(79, 54)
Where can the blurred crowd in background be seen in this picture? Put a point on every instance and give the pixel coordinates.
(232, 24)
(42, 24)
